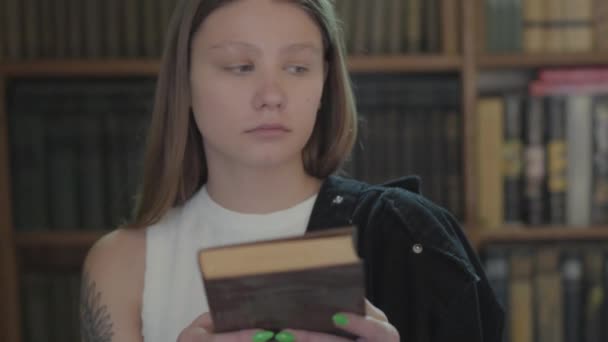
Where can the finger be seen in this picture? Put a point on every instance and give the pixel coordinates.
(203, 321)
(311, 336)
(367, 328)
(374, 312)
(242, 336)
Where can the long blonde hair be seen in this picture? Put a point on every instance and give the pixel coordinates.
(174, 161)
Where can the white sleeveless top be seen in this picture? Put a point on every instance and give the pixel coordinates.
(173, 294)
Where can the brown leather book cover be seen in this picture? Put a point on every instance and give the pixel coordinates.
(295, 283)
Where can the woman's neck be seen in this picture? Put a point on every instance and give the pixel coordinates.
(261, 191)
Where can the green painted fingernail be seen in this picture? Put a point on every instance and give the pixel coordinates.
(340, 320)
(262, 336)
(285, 336)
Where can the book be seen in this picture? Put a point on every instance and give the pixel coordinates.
(296, 283)
(490, 113)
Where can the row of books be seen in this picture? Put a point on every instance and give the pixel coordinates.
(75, 151)
(534, 26)
(93, 29)
(76, 145)
(551, 292)
(50, 307)
(400, 26)
(543, 153)
(73, 29)
(411, 125)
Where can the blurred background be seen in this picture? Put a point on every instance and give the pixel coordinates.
(500, 106)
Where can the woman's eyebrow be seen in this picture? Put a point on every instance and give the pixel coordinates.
(291, 48)
(297, 47)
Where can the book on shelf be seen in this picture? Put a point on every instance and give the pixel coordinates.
(399, 115)
(552, 291)
(73, 29)
(76, 148)
(297, 283)
(553, 147)
(50, 306)
(541, 26)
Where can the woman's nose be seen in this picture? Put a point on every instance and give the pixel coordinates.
(270, 95)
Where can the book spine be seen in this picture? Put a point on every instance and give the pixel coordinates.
(535, 171)
(594, 294)
(76, 28)
(572, 272)
(533, 26)
(450, 28)
(548, 296)
(513, 158)
(14, 34)
(490, 113)
(556, 160)
(60, 8)
(579, 154)
(496, 264)
(521, 299)
(599, 205)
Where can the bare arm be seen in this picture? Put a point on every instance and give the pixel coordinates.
(111, 289)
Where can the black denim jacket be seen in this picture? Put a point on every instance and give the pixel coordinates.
(420, 269)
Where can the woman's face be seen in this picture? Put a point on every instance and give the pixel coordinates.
(257, 74)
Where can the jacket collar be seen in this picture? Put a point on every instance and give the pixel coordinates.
(338, 198)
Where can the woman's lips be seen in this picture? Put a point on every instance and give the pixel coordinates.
(269, 130)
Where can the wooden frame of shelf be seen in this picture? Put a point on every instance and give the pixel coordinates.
(542, 60)
(56, 251)
(126, 67)
(532, 234)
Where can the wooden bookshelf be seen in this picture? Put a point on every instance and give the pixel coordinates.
(517, 61)
(64, 251)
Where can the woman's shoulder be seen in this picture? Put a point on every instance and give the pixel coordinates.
(121, 254)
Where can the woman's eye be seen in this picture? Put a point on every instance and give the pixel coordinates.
(297, 69)
(240, 69)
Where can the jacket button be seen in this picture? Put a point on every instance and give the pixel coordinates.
(417, 248)
(338, 200)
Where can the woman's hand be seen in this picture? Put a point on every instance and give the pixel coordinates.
(201, 330)
(374, 327)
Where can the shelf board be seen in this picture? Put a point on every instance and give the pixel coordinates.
(405, 63)
(78, 68)
(542, 60)
(54, 251)
(150, 67)
(525, 234)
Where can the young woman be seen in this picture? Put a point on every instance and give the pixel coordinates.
(253, 115)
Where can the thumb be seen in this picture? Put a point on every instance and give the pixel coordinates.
(204, 321)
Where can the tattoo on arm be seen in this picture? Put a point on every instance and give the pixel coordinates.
(95, 322)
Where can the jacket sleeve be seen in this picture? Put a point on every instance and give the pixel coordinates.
(479, 297)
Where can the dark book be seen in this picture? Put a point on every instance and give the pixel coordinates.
(599, 201)
(572, 273)
(594, 293)
(496, 261)
(605, 304)
(535, 167)
(512, 158)
(297, 283)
